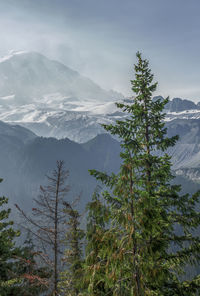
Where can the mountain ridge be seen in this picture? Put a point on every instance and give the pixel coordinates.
(43, 96)
(36, 71)
(26, 158)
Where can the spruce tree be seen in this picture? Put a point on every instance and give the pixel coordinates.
(71, 279)
(147, 256)
(34, 277)
(19, 273)
(8, 278)
(97, 224)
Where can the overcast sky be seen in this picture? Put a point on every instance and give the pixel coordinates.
(100, 38)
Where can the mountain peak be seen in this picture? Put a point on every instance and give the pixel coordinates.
(31, 75)
(11, 54)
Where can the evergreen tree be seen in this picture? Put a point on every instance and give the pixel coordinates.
(98, 218)
(8, 252)
(71, 280)
(19, 273)
(147, 256)
(34, 278)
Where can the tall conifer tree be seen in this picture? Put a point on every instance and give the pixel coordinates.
(19, 273)
(71, 279)
(98, 219)
(147, 256)
(8, 278)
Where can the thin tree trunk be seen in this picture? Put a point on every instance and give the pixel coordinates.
(56, 236)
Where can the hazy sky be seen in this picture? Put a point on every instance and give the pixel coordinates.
(99, 38)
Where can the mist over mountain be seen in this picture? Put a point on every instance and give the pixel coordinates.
(52, 100)
(26, 159)
(29, 76)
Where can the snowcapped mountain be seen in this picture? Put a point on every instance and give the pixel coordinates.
(30, 75)
(182, 109)
(52, 99)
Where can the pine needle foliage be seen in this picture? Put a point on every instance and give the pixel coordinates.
(19, 273)
(71, 282)
(95, 261)
(34, 278)
(8, 251)
(146, 255)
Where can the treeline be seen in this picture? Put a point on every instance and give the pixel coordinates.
(141, 233)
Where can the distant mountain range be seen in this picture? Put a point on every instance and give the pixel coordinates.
(25, 160)
(179, 105)
(26, 77)
(53, 100)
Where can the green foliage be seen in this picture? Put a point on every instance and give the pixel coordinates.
(71, 279)
(34, 277)
(19, 273)
(8, 279)
(98, 218)
(142, 250)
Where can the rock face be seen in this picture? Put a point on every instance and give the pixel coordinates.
(178, 105)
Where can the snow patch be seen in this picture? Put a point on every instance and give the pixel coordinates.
(7, 98)
(11, 54)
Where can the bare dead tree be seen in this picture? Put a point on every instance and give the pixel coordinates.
(47, 221)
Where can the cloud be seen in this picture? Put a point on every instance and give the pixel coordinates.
(100, 38)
